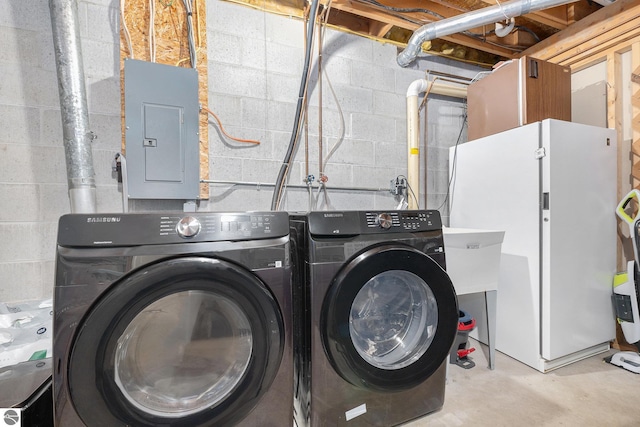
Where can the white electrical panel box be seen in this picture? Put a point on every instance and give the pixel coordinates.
(161, 131)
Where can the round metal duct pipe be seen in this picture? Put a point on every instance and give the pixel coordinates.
(469, 20)
(73, 106)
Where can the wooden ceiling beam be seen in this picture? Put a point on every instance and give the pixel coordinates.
(481, 45)
(601, 56)
(379, 29)
(443, 8)
(379, 21)
(558, 17)
(555, 17)
(598, 23)
(347, 20)
(365, 12)
(596, 45)
(381, 14)
(358, 24)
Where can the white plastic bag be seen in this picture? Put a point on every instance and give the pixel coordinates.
(25, 331)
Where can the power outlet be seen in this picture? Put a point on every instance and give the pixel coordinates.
(397, 186)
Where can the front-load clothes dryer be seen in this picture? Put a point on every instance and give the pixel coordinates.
(170, 319)
(377, 315)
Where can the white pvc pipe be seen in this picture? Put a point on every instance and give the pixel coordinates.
(438, 88)
(413, 130)
(413, 141)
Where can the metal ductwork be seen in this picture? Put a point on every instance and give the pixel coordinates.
(469, 20)
(73, 105)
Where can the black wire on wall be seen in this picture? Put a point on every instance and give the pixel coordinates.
(278, 191)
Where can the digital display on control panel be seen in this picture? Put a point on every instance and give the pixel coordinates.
(245, 223)
(235, 218)
(414, 220)
(414, 216)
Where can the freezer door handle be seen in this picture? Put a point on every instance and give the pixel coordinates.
(545, 201)
(533, 68)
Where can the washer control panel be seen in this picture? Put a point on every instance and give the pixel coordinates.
(169, 227)
(332, 223)
(217, 225)
(402, 220)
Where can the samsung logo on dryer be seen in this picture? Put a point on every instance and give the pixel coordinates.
(333, 215)
(104, 219)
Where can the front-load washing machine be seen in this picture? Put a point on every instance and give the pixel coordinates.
(167, 319)
(377, 315)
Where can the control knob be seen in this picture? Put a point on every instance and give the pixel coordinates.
(384, 220)
(188, 226)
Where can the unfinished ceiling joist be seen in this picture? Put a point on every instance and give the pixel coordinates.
(395, 20)
(600, 27)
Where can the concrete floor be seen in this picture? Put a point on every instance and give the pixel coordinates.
(586, 393)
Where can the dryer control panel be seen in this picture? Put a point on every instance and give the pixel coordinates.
(111, 230)
(333, 223)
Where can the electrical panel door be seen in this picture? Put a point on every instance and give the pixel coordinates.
(161, 119)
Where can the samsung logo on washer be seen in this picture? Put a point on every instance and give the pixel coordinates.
(104, 219)
(333, 215)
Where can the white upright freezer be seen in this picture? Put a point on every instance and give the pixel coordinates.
(551, 186)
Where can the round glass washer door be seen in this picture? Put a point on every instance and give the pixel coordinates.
(183, 353)
(389, 318)
(190, 341)
(393, 319)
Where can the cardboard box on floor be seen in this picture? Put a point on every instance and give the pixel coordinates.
(620, 343)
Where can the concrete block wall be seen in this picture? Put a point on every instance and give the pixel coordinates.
(254, 78)
(33, 183)
(255, 62)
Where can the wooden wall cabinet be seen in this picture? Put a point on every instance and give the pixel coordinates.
(521, 91)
